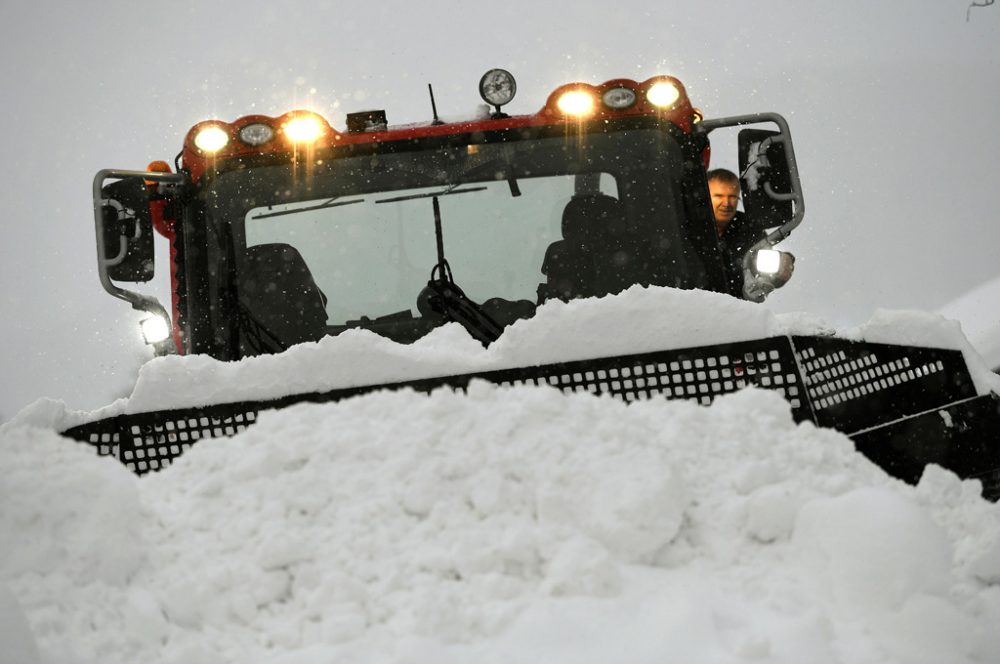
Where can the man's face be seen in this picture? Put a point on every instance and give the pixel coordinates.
(725, 197)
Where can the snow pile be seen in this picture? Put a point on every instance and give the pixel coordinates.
(70, 526)
(638, 320)
(508, 524)
(511, 524)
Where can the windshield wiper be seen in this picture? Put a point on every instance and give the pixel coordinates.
(453, 189)
(443, 296)
(322, 206)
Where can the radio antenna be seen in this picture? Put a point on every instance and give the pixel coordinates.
(434, 109)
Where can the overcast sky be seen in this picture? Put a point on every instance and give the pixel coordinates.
(893, 108)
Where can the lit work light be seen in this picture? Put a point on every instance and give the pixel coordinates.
(211, 139)
(155, 329)
(768, 261)
(663, 94)
(576, 102)
(765, 270)
(303, 129)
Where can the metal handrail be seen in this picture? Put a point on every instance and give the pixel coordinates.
(138, 301)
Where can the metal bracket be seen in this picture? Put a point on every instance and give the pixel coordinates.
(138, 301)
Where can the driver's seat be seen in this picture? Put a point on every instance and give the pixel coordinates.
(280, 299)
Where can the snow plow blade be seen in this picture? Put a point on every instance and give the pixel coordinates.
(904, 407)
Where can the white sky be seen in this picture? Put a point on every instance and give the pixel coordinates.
(891, 105)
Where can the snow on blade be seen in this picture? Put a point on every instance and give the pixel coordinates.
(635, 321)
(638, 320)
(923, 329)
(979, 312)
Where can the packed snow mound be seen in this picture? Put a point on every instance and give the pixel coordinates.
(636, 321)
(508, 524)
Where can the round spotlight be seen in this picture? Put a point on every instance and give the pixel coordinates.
(303, 129)
(211, 139)
(576, 102)
(619, 98)
(663, 94)
(497, 87)
(256, 134)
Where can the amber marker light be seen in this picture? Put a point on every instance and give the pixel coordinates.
(211, 139)
(303, 129)
(578, 103)
(157, 166)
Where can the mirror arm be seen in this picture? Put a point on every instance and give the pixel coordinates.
(138, 301)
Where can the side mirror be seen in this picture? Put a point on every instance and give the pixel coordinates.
(126, 227)
(765, 177)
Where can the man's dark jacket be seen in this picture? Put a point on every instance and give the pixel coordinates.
(740, 235)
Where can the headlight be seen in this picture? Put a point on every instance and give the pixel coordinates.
(768, 269)
(256, 134)
(768, 261)
(497, 87)
(619, 98)
(211, 139)
(576, 102)
(663, 94)
(155, 329)
(303, 129)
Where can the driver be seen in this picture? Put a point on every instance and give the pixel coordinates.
(737, 232)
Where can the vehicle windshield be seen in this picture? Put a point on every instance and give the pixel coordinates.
(334, 243)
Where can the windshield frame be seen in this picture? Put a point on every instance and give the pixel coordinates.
(218, 278)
